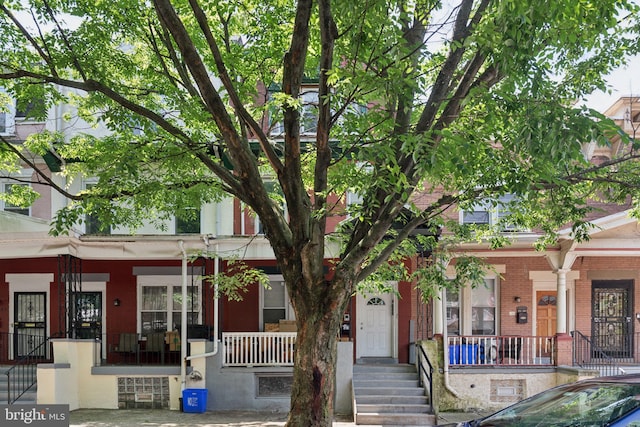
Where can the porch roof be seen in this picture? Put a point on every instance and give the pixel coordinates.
(134, 247)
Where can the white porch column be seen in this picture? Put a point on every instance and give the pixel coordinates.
(561, 307)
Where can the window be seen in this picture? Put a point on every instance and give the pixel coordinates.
(274, 191)
(472, 310)
(161, 305)
(274, 302)
(31, 110)
(483, 308)
(490, 212)
(188, 222)
(10, 207)
(309, 101)
(7, 113)
(309, 113)
(92, 224)
(453, 312)
(193, 306)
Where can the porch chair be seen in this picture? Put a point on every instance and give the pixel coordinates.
(155, 346)
(510, 348)
(127, 345)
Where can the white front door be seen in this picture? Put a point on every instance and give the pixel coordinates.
(374, 326)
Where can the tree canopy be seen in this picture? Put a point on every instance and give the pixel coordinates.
(414, 106)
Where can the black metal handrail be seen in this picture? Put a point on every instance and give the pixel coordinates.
(426, 370)
(23, 374)
(586, 354)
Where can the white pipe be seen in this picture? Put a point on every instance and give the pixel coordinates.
(215, 308)
(445, 342)
(183, 326)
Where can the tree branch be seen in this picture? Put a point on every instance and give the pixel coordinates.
(442, 84)
(11, 147)
(45, 56)
(229, 85)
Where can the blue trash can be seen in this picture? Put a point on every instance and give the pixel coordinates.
(194, 400)
(468, 354)
(454, 354)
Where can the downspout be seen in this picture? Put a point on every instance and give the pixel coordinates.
(183, 314)
(216, 302)
(445, 342)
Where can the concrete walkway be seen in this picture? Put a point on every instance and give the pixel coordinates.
(166, 418)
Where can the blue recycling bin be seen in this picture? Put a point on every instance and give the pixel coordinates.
(194, 400)
(454, 354)
(469, 354)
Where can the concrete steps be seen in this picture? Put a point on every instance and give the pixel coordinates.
(390, 394)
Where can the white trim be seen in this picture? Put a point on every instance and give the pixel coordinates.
(25, 282)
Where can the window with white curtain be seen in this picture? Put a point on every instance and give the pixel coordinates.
(490, 212)
(453, 312)
(161, 305)
(483, 308)
(472, 310)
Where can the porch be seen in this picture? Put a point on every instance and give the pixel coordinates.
(501, 350)
(163, 348)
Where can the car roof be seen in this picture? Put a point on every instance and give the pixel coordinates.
(626, 378)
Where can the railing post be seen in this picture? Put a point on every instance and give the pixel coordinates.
(564, 351)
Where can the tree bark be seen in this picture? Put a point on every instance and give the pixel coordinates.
(314, 372)
(319, 317)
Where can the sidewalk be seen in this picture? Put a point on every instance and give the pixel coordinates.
(166, 418)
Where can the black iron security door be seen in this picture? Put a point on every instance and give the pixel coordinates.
(87, 321)
(612, 325)
(30, 314)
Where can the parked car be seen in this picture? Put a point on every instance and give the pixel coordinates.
(598, 402)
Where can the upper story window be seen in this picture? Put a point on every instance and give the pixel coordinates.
(92, 224)
(11, 207)
(7, 114)
(309, 113)
(490, 212)
(274, 191)
(309, 102)
(31, 110)
(188, 222)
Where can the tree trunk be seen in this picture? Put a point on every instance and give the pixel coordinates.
(314, 375)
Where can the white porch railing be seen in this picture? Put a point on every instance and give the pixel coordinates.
(258, 348)
(501, 350)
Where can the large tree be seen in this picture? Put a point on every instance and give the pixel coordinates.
(419, 106)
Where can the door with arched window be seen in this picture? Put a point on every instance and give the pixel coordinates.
(546, 321)
(546, 313)
(374, 334)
